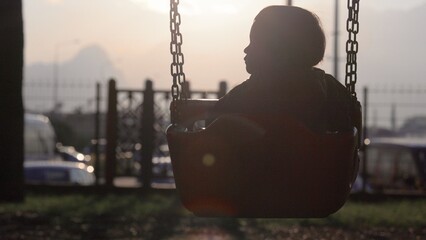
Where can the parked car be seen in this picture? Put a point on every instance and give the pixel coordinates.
(396, 164)
(39, 137)
(58, 173)
(162, 164)
(162, 167)
(358, 185)
(70, 154)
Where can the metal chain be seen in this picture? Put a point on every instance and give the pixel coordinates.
(352, 26)
(176, 67)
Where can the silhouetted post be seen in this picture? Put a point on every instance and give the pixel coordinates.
(148, 134)
(365, 143)
(97, 137)
(111, 134)
(186, 89)
(223, 88)
(336, 39)
(393, 117)
(11, 106)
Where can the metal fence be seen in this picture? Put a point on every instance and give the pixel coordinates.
(388, 110)
(394, 109)
(136, 125)
(72, 96)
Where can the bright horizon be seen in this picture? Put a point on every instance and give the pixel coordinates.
(135, 34)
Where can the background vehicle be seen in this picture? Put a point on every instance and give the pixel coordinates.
(357, 186)
(396, 164)
(39, 137)
(70, 154)
(162, 164)
(58, 173)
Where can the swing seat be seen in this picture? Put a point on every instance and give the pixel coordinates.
(262, 166)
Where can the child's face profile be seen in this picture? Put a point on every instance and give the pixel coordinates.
(257, 56)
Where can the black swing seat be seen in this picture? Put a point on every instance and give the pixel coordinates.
(261, 166)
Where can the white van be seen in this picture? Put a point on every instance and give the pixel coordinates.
(39, 138)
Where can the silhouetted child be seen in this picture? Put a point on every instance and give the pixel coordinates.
(285, 44)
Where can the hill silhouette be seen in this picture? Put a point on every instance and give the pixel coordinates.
(77, 78)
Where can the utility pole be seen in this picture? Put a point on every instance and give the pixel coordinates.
(393, 117)
(336, 39)
(289, 2)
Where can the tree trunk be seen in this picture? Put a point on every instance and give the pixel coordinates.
(11, 106)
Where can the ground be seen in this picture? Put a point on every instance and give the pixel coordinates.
(33, 226)
(123, 216)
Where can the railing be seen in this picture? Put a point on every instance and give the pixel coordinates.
(135, 129)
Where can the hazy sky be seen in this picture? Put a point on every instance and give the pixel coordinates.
(135, 34)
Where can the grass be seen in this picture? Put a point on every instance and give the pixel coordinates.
(391, 213)
(157, 216)
(91, 216)
(86, 206)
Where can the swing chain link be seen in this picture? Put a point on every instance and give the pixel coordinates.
(176, 67)
(352, 26)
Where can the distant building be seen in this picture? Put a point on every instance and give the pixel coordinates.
(414, 126)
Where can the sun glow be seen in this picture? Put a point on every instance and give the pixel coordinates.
(193, 7)
(54, 1)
